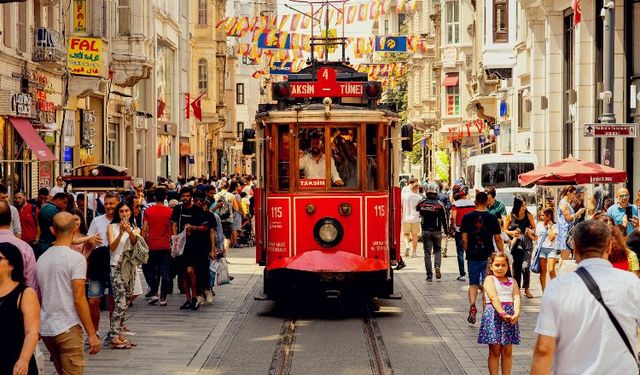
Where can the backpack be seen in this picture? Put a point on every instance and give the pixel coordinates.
(225, 210)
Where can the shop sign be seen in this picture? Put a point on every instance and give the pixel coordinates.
(44, 175)
(79, 16)
(21, 104)
(43, 104)
(450, 57)
(39, 79)
(84, 56)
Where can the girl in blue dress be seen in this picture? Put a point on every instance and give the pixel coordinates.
(499, 326)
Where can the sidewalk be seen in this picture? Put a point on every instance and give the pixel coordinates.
(173, 341)
(445, 303)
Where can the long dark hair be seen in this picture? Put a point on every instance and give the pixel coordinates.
(116, 215)
(83, 223)
(14, 257)
(518, 202)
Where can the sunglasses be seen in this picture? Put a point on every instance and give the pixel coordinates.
(624, 195)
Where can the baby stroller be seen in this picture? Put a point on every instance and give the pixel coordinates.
(246, 237)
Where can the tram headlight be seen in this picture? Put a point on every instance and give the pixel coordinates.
(281, 90)
(328, 232)
(372, 90)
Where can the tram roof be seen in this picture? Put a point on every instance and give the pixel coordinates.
(314, 113)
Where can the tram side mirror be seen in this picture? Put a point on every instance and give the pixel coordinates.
(406, 134)
(248, 142)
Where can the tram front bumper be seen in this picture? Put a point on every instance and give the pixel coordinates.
(326, 261)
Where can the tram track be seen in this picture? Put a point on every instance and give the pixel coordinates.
(378, 355)
(283, 354)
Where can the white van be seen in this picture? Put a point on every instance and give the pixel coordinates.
(501, 171)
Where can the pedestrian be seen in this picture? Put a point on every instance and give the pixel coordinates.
(546, 232)
(98, 260)
(59, 186)
(45, 221)
(496, 207)
(191, 219)
(520, 226)
(499, 325)
(434, 221)
(15, 226)
(623, 212)
(19, 314)
(479, 229)
(80, 202)
(227, 206)
(207, 250)
(156, 231)
(566, 219)
(411, 217)
(460, 207)
(28, 257)
(235, 188)
(61, 275)
(43, 197)
(579, 202)
(577, 332)
(121, 230)
(28, 213)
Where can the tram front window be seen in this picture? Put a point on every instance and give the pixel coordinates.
(340, 169)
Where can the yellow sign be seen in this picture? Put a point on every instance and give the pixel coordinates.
(79, 16)
(83, 57)
(333, 33)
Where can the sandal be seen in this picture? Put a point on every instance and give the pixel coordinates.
(529, 295)
(120, 343)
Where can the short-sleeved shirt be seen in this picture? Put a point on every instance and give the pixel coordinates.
(617, 213)
(56, 268)
(192, 215)
(409, 202)
(498, 210)
(159, 219)
(16, 225)
(586, 340)
(481, 227)
(29, 222)
(98, 261)
(45, 219)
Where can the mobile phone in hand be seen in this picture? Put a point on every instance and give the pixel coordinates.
(629, 212)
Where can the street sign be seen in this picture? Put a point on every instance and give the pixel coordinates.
(326, 86)
(611, 130)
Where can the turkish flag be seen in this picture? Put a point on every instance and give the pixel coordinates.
(577, 11)
(197, 108)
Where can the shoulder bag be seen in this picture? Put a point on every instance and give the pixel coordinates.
(595, 290)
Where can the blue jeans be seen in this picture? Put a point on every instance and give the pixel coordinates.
(460, 253)
(158, 269)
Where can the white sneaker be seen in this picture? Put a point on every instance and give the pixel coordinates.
(406, 251)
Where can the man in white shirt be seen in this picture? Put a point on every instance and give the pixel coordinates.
(59, 188)
(16, 226)
(573, 328)
(313, 164)
(61, 276)
(410, 216)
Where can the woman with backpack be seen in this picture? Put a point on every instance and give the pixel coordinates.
(519, 225)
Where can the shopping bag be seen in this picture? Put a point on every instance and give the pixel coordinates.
(177, 243)
(222, 275)
(535, 261)
(39, 356)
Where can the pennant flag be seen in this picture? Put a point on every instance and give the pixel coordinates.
(304, 25)
(258, 74)
(351, 14)
(373, 10)
(362, 12)
(295, 21)
(411, 6)
(400, 5)
(283, 21)
(222, 23)
(386, 5)
(340, 17)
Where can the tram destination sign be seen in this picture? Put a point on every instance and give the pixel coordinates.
(326, 85)
(611, 130)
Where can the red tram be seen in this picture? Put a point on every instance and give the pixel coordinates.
(328, 204)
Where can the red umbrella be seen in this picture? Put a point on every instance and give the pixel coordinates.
(571, 171)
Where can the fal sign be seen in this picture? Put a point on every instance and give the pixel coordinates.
(326, 85)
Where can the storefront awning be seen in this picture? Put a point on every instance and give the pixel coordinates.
(450, 80)
(32, 139)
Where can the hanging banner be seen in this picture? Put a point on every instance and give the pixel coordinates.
(273, 40)
(281, 68)
(391, 44)
(79, 16)
(84, 56)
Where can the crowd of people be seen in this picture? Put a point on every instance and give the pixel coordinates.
(63, 256)
(579, 324)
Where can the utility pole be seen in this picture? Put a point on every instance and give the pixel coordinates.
(608, 19)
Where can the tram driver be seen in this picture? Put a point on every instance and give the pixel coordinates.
(312, 162)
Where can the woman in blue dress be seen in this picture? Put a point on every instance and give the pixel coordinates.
(566, 219)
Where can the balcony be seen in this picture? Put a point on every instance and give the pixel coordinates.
(129, 60)
(49, 48)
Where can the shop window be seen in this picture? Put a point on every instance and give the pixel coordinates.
(500, 21)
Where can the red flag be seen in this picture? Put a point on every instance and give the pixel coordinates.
(160, 108)
(197, 108)
(577, 11)
(187, 101)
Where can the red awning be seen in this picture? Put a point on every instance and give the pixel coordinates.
(32, 139)
(450, 80)
(572, 171)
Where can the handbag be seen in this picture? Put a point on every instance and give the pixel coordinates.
(595, 290)
(222, 275)
(535, 261)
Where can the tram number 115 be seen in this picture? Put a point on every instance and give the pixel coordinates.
(379, 210)
(276, 212)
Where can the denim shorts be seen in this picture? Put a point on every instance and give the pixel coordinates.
(477, 271)
(547, 253)
(97, 288)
